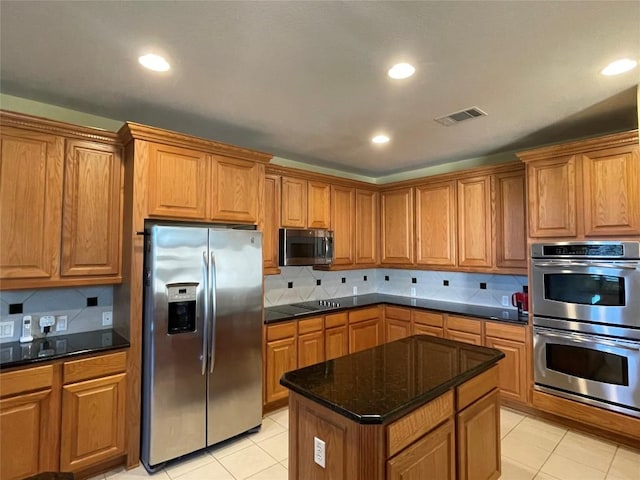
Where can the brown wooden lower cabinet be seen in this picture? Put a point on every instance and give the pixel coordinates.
(336, 342)
(396, 329)
(454, 436)
(363, 335)
(64, 416)
(310, 349)
(92, 422)
(432, 457)
(281, 356)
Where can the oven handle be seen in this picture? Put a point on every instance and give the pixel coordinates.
(592, 340)
(616, 266)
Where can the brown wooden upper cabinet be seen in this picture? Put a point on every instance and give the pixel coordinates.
(61, 204)
(343, 224)
(270, 224)
(436, 231)
(397, 226)
(474, 222)
(192, 184)
(585, 189)
(367, 218)
(510, 216)
(305, 204)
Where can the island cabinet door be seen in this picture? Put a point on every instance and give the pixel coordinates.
(432, 457)
(478, 436)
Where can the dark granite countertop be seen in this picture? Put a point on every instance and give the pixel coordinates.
(273, 315)
(384, 383)
(15, 354)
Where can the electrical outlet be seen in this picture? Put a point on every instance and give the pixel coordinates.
(6, 329)
(505, 300)
(46, 321)
(61, 323)
(413, 291)
(107, 319)
(355, 290)
(319, 451)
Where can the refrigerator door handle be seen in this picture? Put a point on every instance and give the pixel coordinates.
(212, 289)
(205, 276)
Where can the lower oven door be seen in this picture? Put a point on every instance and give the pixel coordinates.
(598, 370)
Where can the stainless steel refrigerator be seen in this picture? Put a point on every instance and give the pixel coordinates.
(202, 349)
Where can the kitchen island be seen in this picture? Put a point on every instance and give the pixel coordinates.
(419, 407)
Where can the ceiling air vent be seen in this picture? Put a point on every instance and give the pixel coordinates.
(460, 116)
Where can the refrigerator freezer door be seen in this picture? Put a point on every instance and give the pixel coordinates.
(174, 386)
(235, 384)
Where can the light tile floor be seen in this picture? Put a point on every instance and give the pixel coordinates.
(532, 449)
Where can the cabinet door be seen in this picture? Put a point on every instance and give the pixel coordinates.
(367, 220)
(363, 335)
(512, 368)
(319, 205)
(31, 166)
(92, 210)
(310, 349)
(25, 425)
(612, 191)
(294, 203)
(270, 224)
(93, 421)
(336, 342)
(511, 228)
(551, 190)
(436, 224)
(342, 224)
(236, 189)
(178, 182)
(474, 222)
(432, 457)
(281, 357)
(395, 329)
(397, 226)
(478, 435)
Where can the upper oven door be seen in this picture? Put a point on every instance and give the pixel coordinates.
(595, 291)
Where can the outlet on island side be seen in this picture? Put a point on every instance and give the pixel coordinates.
(319, 451)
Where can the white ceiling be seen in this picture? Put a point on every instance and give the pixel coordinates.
(307, 80)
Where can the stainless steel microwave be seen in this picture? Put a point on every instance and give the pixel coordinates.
(305, 247)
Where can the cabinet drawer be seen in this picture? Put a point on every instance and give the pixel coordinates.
(398, 313)
(281, 330)
(310, 325)
(428, 318)
(463, 324)
(26, 380)
(508, 332)
(364, 314)
(92, 367)
(335, 320)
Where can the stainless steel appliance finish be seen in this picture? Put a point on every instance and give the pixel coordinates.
(594, 369)
(588, 281)
(305, 247)
(202, 357)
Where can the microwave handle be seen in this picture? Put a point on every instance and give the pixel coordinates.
(592, 340)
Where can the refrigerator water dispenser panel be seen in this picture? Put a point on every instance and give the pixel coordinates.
(182, 308)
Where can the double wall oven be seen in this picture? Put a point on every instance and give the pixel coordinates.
(586, 317)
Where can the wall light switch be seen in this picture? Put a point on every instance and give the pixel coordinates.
(6, 329)
(107, 319)
(61, 323)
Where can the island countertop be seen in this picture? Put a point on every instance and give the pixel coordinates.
(383, 383)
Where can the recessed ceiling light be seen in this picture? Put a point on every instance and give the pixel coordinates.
(380, 139)
(619, 66)
(154, 62)
(401, 70)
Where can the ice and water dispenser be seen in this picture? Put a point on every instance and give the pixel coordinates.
(181, 298)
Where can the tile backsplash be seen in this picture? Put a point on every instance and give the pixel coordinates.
(298, 284)
(71, 302)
